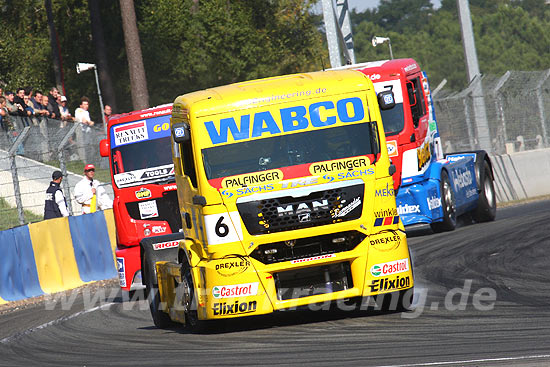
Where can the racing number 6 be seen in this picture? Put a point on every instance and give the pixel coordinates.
(221, 228)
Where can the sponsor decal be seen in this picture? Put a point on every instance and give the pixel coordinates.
(470, 193)
(390, 268)
(386, 221)
(158, 172)
(355, 173)
(410, 67)
(289, 119)
(424, 155)
(236, 290)
(385, 213)
(124, 178)
(252, 178)
(408, 209)
(306, 181)
(232, 265)
(161, 127)
(237, 307)
(433, 202)
(148, 209)
(392, 148)
(461, 179)
(338, 165)
(386, 192)
(130, 133)
(374, 76)
(320, 257)
(179, 132)
(121, 271)
(454, 158)
(165, 245)
(159, 229)
(143, 193)
(170, 187)
(385, 240)
(294, 209)
(347, 209)
(388, 284)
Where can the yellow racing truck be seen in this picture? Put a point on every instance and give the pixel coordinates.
(286, 196)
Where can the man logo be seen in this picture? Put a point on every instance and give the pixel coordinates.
(305, 217)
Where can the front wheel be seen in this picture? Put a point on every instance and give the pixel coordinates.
(160, 318)
(486, 205)
(189, 300)
(448, 204)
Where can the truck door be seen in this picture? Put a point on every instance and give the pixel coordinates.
(186, 178)
(417, 103)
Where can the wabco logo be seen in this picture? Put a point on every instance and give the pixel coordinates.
(302, 208)
(389, 268)
(462, 179)
(234, 308)
(236, 290)
(288, 119)
(408, 209)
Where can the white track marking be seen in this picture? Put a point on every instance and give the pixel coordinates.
(53, 322)
(469, 361)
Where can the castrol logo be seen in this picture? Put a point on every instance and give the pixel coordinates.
(390, 268)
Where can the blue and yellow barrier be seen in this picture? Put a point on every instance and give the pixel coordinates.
(56, 255)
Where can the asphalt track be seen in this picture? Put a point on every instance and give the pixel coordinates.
(508, 259)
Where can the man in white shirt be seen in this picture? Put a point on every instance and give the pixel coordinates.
(82, 115)
(90, 194)
(55, 205)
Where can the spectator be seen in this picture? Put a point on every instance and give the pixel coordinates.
(90, 194)
(37, 102)
(29, 108)
(19, 101)
(5, 122)
(13, 109)
(82, 115)
(107, 111)
(53, 107)
(64, 111)
(56, 205)
(47, 106)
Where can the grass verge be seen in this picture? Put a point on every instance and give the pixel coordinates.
(9, 217)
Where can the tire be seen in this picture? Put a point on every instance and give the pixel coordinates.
(189, 301)
(486, 205)
(448, 204)
(160, 318)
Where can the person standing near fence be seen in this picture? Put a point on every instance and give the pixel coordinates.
(90, 194)
(82, 115)
(56, 205)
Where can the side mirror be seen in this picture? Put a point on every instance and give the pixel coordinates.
(180, 132)
(386, 100)
(104, 147)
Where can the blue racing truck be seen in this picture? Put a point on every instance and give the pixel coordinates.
(429, 187)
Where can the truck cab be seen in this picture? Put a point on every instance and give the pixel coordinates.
(284, 187)
(145, 204)
(431, 187)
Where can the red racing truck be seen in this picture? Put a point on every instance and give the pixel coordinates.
(145, 202)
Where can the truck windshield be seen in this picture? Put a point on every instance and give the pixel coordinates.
(393, 120)
(288, 150)
(143, 161)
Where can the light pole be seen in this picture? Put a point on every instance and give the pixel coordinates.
(379, 40)
(82, 66)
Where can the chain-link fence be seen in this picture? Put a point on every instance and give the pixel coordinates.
(31, 152)
(518, 112)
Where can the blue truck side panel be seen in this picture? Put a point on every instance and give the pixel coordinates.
(420, 201)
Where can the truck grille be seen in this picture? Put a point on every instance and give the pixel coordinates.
(304, 248)
(167, 207)
(307, 282)
(302, 208)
